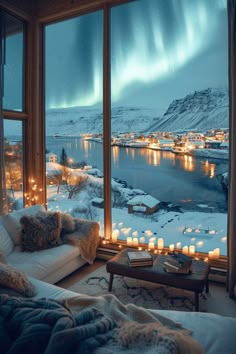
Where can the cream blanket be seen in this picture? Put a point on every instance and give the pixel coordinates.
(86, 237)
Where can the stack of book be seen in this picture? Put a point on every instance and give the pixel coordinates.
(140, 259)
(178, 264)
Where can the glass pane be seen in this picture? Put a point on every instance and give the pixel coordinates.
(170, 124)
(74, 116)
(13, 153)
(14, 61)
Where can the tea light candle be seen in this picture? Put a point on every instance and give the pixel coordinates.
(191, 249)
(151, 245)
(185, 250)
(129, 241)
(160, 243)
(178, 245)
(135, 241)
(171, 247)
(115, 235)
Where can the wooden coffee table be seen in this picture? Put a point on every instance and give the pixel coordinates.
(196, 281)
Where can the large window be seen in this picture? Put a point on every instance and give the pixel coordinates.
(170, 124)
(12, 98)
(74, 117)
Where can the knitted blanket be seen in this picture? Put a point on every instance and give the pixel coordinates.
(82, 326)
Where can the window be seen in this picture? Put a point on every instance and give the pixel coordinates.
(74, 117)
(170, 124)
(12, 98)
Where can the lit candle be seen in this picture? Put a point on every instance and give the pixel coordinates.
(135, 241)
(171, 247)
(178, 245)
(160, 243)
(151, 245)
(129, 241)
(191, 249)
(185, 250)
(211, 254)
(217, 252)
(115, 235)
(142, 239)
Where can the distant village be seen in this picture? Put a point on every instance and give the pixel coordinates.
(179, 142)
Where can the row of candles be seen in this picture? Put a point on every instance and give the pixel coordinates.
(188, 250)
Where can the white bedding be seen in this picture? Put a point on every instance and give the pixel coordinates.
(217, 334)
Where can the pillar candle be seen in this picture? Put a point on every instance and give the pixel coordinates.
(191, 249)
(151, 245)
(171, 247)
(211, 254)
(160, 243)
(115, 235)
(135, 241)
(185, 250)
(178, 245)
(129, 241)
(216, 252)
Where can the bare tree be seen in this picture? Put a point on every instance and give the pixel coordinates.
(74, 184)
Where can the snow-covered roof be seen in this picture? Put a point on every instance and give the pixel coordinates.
(147, 200)
(98, 200)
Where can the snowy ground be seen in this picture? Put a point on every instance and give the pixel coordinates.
(163, 224)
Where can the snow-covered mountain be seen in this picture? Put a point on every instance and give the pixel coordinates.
(201, 110)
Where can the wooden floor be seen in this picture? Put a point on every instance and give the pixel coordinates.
(218, 299)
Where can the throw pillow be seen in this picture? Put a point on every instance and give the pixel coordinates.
(40, 232)
(16, 280)
(12, 221)
(67, 221)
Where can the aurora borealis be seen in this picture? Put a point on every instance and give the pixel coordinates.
(160, 50)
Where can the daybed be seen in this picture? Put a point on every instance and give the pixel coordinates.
(62, 321)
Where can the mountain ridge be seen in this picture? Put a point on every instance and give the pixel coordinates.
(202, 110)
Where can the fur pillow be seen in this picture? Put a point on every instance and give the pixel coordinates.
(41, 231)
(16, 280)
(67, 221)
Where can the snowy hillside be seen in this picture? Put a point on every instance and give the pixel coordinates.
(82, 120)
(201, 110)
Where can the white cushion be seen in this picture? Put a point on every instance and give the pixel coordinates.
(12, 221)
(51, 291)
(6, 243)
(39, 264)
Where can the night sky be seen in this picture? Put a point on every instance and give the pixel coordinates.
(160, 50)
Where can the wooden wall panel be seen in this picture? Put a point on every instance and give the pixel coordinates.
(52, 10)
(22, 8)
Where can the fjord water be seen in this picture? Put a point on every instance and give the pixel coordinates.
(182, 180)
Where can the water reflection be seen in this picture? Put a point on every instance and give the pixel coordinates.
(115, 154)
(209, 169)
